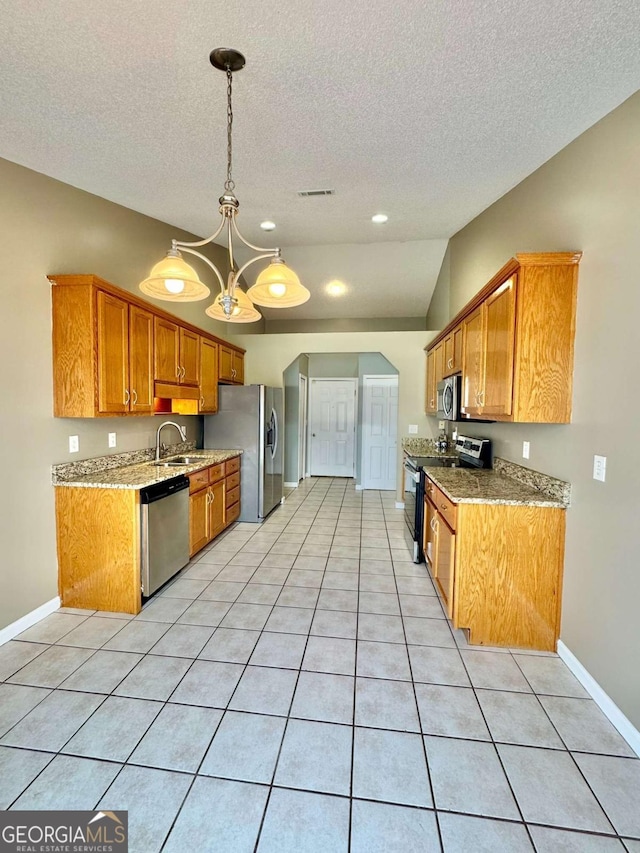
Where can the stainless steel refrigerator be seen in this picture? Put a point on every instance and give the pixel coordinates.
(250, 418)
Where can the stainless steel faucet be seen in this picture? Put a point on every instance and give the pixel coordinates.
(182, 430)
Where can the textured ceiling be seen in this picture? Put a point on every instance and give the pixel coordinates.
(428, 111)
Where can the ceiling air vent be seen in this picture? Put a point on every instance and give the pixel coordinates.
(308, 193)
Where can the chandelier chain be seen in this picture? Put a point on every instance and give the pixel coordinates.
(229, 184)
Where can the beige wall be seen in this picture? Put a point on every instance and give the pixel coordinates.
(268, 356)
(586, 198)
(50, 227)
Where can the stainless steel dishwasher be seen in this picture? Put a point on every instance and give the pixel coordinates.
(164, 531)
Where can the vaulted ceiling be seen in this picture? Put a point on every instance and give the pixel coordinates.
(426, 111)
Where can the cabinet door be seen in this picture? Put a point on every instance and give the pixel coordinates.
(167, 350)
(444, 574)
(473, 368)
(217, 517)
(189, 357)
(140, 360)
(430, 404)
(500, 330)
(429, 544)
(208, 376)
(438, 367)
(113, 354)
(238, 368)
(198, 521)
(225, 364)
(453, 352)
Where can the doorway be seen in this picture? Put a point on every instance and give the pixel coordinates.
(332, 422)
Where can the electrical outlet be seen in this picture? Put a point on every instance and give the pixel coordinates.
(112, 439)
(74, 444)
(599, 468)
(413, 429)
(525, 449)
(441, 424)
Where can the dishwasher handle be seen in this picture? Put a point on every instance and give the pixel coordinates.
(157, 491)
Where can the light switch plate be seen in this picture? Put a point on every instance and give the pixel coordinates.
(112, 439)
(525, 449)
(74, 444)
(413, 429)
(599, 468)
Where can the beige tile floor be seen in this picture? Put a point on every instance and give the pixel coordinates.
(297, 688)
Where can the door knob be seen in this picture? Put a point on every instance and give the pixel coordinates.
(313, 434)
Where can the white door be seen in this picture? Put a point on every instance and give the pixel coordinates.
(332, 419)
(379, 432)
(302, 425)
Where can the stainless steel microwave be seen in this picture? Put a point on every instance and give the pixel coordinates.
(449, 394)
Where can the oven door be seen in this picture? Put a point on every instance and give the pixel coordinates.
(411, 506)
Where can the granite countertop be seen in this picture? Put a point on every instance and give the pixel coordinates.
(143, 474)
(483, 486)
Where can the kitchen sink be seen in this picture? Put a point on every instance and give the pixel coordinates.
(178, 460)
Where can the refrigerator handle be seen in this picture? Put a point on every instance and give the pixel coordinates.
(274, 431)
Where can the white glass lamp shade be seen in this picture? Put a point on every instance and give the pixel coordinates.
(173, 280)
(243, 312)
(278, 286)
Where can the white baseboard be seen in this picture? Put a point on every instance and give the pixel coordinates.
(399, 504)
(359, 488)
(291, 485)
(606, 704)
(28, 620)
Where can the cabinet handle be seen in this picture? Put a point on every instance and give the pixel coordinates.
(127, 396)
(135, 397)
(450, 363)
(202, 402)
(443, 506)
(481, 396)
(437, 525)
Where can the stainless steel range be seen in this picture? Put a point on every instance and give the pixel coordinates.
(467, 453)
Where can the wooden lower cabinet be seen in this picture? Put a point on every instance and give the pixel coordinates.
(98, 533)
(214, 502)
(98, 536)
(499, 570)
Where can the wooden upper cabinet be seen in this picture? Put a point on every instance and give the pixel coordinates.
(140, 360)
(473, 366)
(113, 354)
(189, 357)
(499, 339)
(453, 352)
(208, 376)
(230, 366)
(167, 351)
(430, 405)
(438, 366)
(518, 341)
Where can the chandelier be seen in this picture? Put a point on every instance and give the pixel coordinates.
(174, 280)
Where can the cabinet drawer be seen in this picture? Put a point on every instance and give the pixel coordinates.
(198, 480)
(233, 512)
(446, 508)
(233, 480)
(216, 472)
(233, 496)
(232, 465)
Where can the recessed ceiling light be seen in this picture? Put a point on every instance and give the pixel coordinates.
(336, 288)
(379, 218)
(267, 225)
